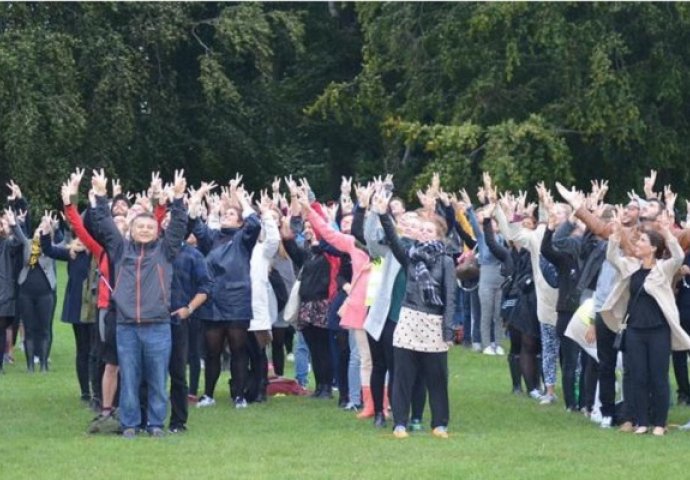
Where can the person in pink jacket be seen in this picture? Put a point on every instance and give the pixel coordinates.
(353, 313)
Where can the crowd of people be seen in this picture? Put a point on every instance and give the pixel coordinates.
(367, 293)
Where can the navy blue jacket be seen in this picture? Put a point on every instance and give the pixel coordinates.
(190, 277)
(228, 253)
(78, 270)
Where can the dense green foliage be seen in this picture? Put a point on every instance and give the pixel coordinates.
(529, 91)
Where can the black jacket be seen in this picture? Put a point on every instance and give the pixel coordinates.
(315, 272)
(568, 274)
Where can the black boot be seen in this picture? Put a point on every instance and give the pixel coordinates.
(515, 373)
(326, 392)
(317, 391)
(29, 352)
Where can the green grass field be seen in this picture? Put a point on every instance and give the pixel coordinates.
(493, 435)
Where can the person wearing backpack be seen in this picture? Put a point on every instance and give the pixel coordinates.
(566, 262)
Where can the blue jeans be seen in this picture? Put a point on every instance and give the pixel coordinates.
(301, 360)
(354, 378)
(144, 354)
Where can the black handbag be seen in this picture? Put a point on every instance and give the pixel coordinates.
(619, 340)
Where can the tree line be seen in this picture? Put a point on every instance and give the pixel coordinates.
(528, 91)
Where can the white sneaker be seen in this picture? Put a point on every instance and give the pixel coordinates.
(596, 417)
(290, 357)
(205, 401)
(477, 347)
(535, 394)
(489, 350)
(499, 350)
(606, 422)
(547, 399)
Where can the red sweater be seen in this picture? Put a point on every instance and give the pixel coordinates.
(96, 250)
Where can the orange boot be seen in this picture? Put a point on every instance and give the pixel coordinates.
(368, 410)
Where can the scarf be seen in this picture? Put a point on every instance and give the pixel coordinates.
(35, 252)
(423, 257)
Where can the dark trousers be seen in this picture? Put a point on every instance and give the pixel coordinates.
(607, 375)
(36, 315)
(418, 396)
(434, 369)
(5, 322)
(647, 354)
(194, 343)
(178, 374)
(319, 347)
(278, 350)
(382, 362)
(591, 375)
(82, 340)
(257, 379)
(680, 365)
(570, 354)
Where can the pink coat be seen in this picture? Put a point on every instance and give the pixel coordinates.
(354, 310)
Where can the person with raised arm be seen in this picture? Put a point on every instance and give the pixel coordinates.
(141, 296)
(425, 328)
(228, 312)
(11, 244)
(643, 305)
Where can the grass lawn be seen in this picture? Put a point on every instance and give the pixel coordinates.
(493, 435)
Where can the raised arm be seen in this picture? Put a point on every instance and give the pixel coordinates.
(374, 235)
(496, 249)
(102, 218)
(53, 251)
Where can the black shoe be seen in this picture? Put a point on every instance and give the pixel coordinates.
(342, 402)
(317, 391)
(380, 420)
(326, 393)
(683, 399)
(177, 429)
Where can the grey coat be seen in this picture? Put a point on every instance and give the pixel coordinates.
(47, 264)
(378, 248)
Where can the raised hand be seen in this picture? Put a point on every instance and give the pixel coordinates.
(465, 197)
(156, 184)
(99, 183)
(380, 202)
(649, 184)
(66, 193)
(265, 203)
(235, 183)
(669, 198)
(444, 197)
(11, 219)
(179, 184)
(275, 186)
(15, 191)
(481, 195)
(346, 186)
(364, 194)
(115, 186)
(573, 197)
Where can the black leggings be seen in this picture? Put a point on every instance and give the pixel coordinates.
(215, 336)
(36, 315)
(319, 346)
(82, 340)
(342, 343)
(529, 349)
(382, 362)
(278, 350)
(5, 323)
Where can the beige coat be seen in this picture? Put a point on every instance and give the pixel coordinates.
(547, 296)
(657, 284)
